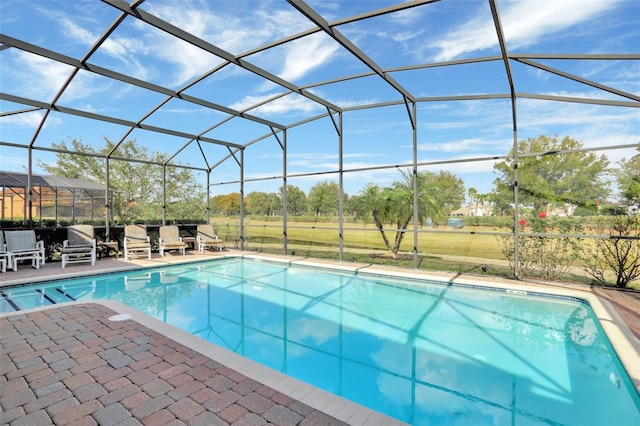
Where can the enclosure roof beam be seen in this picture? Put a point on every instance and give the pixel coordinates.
(37, 50)
(314, 17)
(108, 119)
(590, 101)
(579, 79)
(208, 47)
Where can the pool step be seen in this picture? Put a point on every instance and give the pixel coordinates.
(18, 299)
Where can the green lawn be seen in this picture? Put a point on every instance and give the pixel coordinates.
(466, 250)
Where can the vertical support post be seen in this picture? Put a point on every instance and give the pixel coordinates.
(416, 199)
(341, 189)
(209, 196)
(73, 204)
(107, 201)
(284, 192)
(28, 214)
(56, 201)
(242, 199)
(40, 202)
(164, 193)
(516, 201)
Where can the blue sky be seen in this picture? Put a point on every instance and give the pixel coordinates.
(449, 30)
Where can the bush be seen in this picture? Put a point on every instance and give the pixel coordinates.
(618, 252)
(545, 255)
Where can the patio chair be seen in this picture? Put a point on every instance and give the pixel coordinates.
(207, 238)
(80, 245)
(22, 245)
(4, 254)
(136, 241)
(170, 239)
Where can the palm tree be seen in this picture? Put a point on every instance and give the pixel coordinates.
(473, 198)
(395, 204)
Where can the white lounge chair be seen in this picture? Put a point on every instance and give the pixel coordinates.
(80, 245)
(136, 241)
(22, 245)
(208, 238)
(170, 240)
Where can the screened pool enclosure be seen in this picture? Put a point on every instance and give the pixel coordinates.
(445, 133)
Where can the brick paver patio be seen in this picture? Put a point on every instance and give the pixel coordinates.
(72, 365)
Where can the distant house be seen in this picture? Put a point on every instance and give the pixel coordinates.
(472, 211)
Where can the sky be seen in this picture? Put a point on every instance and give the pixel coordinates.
(448, 131)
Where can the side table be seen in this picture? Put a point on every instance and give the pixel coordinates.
(192, 241)
(108, 246)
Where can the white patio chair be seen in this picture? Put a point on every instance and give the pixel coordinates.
(207, 238)
(170, 240)
(4, 254)
(136, 241)
(22, 245)
(80, 245)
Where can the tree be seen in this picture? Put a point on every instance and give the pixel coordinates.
(137, 184)
(552, 175)
(473, 197)
(323, 198)
(230, 203)
(629, 180)
(395, 205)
(296, 200)
(447, 188)
(257, 202)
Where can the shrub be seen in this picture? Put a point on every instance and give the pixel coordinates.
(618, 252)
(540, 252)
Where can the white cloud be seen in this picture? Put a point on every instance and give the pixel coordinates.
(23, 120)
(48, 74)
(307, 54)
(523, 21)
(463, 145)
(286, 104)
(235, 35)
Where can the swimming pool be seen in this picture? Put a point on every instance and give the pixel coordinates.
(425, 353)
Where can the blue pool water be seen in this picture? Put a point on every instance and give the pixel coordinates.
(424, 353)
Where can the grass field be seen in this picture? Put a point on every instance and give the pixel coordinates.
(473, 249)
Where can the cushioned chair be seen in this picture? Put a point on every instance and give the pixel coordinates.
(207, 238)
(136, 241)
(170, 239)
(4, 254)
(80, 245)
(22, 245)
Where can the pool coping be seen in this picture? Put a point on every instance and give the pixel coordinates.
(622, 339)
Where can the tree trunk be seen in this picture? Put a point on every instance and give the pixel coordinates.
(376, 218)
(400, 235)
